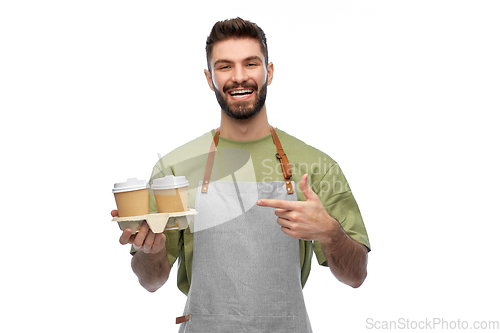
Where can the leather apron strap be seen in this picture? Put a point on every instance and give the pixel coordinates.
(280, 155)
(210, 162)
(285, 165)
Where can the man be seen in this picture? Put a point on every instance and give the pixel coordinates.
(244, 260)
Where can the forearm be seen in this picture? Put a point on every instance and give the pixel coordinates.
(151, 269)
(346, 257)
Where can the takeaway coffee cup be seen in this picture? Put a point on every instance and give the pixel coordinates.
(132, 197)
(171, 194)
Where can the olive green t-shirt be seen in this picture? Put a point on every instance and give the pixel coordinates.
(256, 161)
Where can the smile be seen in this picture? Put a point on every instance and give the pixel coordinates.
(241, 94)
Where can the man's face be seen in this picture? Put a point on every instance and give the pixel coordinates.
(239, 77)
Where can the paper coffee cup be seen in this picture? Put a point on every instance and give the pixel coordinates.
(171, 194)
(132, 197)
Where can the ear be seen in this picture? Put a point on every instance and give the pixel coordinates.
(270, 72)
(209, 79)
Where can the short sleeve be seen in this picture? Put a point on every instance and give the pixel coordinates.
(338, 200)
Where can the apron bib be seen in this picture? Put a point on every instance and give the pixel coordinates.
(246, 271)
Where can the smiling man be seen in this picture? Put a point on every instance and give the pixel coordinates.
(247, 256)
(243, 78)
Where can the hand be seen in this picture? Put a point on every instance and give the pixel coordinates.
(144, 240)
(307, 220)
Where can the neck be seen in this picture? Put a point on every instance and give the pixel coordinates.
(245, 130)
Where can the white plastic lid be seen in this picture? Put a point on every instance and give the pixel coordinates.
(169, 182)
(132, 184)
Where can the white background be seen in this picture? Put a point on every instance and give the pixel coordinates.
(403, 94)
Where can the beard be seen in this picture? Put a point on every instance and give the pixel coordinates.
(241, 110)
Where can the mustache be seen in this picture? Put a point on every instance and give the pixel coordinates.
(235, 86)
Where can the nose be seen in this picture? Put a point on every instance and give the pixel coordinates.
(239, 74)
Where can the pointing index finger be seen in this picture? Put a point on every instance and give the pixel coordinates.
(283, 204)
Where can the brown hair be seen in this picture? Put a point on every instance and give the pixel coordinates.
(235, 28)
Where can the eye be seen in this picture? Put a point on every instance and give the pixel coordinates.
(222, 65)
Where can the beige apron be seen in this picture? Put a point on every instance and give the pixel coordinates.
(246, 271)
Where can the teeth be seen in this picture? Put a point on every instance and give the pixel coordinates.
(241, 92)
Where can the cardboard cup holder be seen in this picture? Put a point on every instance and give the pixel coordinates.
(157, 222)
